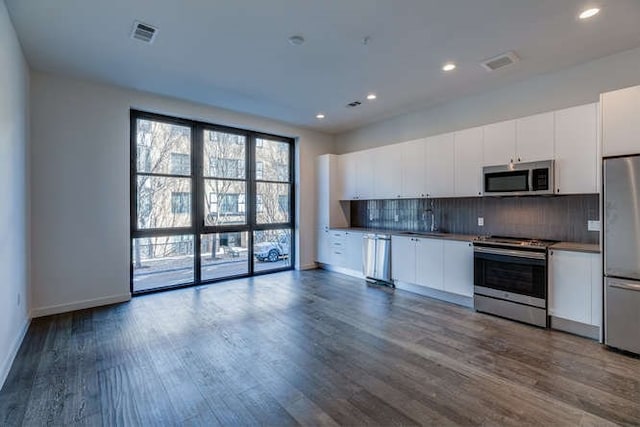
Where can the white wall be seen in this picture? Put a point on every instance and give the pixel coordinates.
(80, 186)
(14, 87)
(572, 86)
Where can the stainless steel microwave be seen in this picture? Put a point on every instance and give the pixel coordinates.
(519, 179)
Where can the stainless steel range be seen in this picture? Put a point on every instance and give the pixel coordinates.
(510, 278)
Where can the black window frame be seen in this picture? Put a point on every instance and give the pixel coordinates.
(198, 225)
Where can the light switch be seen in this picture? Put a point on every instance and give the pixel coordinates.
(480, 221)
(593, 225)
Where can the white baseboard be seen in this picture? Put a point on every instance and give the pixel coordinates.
(342, 270)
(436, 294)
(79, 305)
(13, 351)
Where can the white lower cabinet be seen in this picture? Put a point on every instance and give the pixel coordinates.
(575, 286)
(429, 263)
(458, 268)
(353, 256)
(324, 246)
(403, 259)
(340, 249)
(434, 263)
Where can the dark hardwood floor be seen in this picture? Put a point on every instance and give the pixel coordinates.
(309, 348)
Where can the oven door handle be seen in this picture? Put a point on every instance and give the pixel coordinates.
(511, 252)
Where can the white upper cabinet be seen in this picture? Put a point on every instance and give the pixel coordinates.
(576, 150)
(500, 143)
(413, 168)
(440, 165)
(356, 170)
(450, 165)
(348, 170)
(534, 138)
(331, 213)
(468, 159)
(387, 179)
(365, 174)
(323, 185)
(621, 122)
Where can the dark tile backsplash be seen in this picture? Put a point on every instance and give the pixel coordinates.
(543, 217)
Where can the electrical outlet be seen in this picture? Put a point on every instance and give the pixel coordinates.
(480, 221)
(396, 218)
(593, 225)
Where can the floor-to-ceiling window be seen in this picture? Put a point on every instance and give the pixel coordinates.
(208, 202)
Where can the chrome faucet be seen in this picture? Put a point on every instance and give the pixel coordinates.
(432, 225)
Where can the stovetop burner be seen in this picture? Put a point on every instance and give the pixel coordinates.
(516, 241)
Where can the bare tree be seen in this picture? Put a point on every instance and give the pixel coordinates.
(156, 144)
(165, 202)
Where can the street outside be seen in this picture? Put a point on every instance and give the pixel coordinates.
(171, 271)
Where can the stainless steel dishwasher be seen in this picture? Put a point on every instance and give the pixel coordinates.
(376, 253)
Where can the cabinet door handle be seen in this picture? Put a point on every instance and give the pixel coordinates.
(519, 159)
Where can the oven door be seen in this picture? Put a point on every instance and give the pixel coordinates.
(514, 275)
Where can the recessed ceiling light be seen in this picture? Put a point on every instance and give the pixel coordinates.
(320, 116)
(371, 96)
(589, 13)
(296, 40)
(449, 66)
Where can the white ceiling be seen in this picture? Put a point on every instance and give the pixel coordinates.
(234, 54)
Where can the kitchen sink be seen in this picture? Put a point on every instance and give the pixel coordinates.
(422, 233)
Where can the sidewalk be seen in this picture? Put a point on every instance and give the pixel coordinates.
(169, 264)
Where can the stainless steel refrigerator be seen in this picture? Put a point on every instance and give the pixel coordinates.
(622, 253)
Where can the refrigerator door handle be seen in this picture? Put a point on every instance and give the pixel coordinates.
(626, 286)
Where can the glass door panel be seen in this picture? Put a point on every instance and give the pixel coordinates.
(162, 261)
(272, 249)
(224, 255)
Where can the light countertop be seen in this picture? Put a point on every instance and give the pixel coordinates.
(561, 246)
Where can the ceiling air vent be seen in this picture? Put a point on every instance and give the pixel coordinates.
(500, 61)
(143, 32)
(354, 104)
